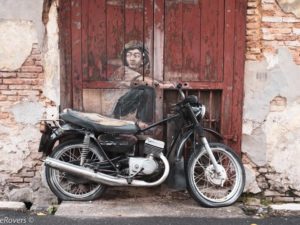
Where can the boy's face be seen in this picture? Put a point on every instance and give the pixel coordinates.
(134, 59)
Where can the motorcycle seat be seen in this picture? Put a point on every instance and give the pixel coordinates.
(99, 123)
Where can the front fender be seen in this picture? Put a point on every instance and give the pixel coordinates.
(182, 139)
(50, 137)
(176, 177)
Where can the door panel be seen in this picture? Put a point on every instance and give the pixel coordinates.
(113, 51)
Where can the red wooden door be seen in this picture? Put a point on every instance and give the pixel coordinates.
(112, 48)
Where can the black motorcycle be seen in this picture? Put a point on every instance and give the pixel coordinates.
(94, 152)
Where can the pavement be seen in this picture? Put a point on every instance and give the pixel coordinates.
(145, 207)
(172, 205)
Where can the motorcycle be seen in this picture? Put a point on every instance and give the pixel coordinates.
(95, 152)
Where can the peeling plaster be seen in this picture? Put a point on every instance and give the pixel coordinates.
(16, 38)
(27, 22)
(290, 6)
(24, 10)
(52, 58)
(28, 112)
(271, 128)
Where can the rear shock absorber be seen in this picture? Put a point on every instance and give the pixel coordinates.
(85, 149)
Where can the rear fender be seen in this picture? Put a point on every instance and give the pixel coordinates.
(63, 133)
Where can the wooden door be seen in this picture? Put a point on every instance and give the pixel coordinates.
(120, 58)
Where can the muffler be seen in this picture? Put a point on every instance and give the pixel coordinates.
(102, 178)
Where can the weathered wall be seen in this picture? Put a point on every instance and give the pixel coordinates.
(29, 71)
(29, 81)
(271, 127)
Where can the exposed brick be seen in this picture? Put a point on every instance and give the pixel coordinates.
(290, 20)
(268, 37)
(255, 50)
(36, 69)
(283, 199)
(272, 19)
(38, 63)
(253, 4)
(29, 92)
(12, 98)
(7, 75)
(277, 25)
(8, 92)
(252, 11)
(20, 87)
(29, 63)
(20, 81)
(3, 98)
(253, 32)
(15, 180)
(277, 30)
(26, 174)
(3, 87)
(287, 37)
(292, 43)
(253, 25)
(253, 18)
(27, 75)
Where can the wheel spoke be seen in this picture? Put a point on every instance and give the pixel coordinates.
(207, 182)
(63, 182)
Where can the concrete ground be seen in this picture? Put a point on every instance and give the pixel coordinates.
(137, 202)
(145, 207)
(133, 203)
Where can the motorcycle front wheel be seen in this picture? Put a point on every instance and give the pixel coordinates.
(66, 186)
(207, 187)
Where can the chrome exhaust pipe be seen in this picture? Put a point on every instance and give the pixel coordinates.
(104, 178)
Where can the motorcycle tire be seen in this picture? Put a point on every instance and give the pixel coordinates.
(203, 183)
(55, 184)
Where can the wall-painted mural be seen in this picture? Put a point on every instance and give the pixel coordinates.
(140, 99)
(136, 102)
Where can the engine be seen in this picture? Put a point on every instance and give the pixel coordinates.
(147, 165)
(142, 166)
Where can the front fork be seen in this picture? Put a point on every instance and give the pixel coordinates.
(211, 155)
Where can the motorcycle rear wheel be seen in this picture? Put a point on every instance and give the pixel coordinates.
(65, 186)
(205, 186)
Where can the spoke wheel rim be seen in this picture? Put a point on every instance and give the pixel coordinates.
(66, 186)
(203, 184)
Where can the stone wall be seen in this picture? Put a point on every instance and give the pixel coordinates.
(29, 70)
(271, 120)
